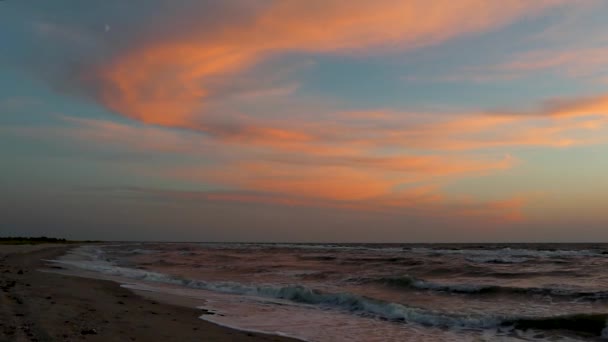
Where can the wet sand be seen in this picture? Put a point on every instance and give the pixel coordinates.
(42, 306)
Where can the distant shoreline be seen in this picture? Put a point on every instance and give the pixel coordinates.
(28, 240)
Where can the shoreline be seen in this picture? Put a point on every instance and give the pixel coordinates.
(46, 306)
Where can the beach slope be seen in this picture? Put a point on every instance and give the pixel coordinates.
(42, 306)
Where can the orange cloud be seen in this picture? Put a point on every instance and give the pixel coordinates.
(558, 123)
(166, 82)
(169, 82)
(339, 179)
(501, 211)
(420, 201)
(317, 182)
(344, 164)
(578, 107)
(396, 185)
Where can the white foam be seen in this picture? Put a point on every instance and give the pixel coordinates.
(302, 321)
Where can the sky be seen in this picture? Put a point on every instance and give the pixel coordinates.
(306, 121)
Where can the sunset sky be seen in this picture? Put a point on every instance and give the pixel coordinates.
(291, 120)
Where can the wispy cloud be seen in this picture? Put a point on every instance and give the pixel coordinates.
(423, 202)
(173, 86)
(167, 81)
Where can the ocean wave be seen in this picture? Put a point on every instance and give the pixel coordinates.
(484, 273)
(324, 247)
(361, 305)
(405, 261)
(501, 253)
(301, 294)
(590, 325)
(318, 257)
(493, 259)
(420, 284)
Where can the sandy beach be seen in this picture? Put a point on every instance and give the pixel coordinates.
(42, 306)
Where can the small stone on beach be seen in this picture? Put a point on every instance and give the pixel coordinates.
(88, 332)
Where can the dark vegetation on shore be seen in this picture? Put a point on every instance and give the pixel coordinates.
(22, 240)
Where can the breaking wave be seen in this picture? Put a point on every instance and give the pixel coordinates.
(300, 294)
(94, 259)
(365, 306)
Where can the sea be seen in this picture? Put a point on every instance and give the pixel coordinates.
(372, 292)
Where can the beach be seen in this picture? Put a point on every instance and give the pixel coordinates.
(43, 306)
(368, 292)
(153, 291)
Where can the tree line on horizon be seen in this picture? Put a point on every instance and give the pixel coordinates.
(25, 240)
